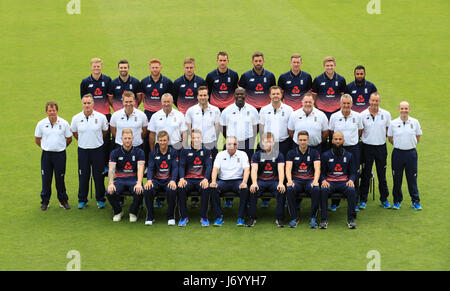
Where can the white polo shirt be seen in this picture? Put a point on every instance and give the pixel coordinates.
(239, 122)
(348, 126)
(314, 123)
(276, 121)
(174, 123)
(404, 133)
(374, 132)
(53, 138)
(136, 121)
(231, 167)
(90, 129)
(204, 121)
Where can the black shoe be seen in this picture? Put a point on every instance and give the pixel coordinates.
(351, 224)
(279, 222)
(251, 222)
(323, 224)
(44, 206)
(64, 205)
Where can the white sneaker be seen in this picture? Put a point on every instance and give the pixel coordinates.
(118, 217)
(133, 218)
(149, 222)
(171, 222)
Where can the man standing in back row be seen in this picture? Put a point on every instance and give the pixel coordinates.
(222, 82)
(257, 82)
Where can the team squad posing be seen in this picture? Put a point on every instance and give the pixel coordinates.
(318, 137)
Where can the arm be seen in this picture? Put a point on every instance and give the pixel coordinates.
(316, 174)
(111, 174)
(280, 186)
(184, 139)
(214, 173)
(113, 131)
(290, 183)
(418, 138)
(245, 178)
(151, 140)
(68, 141)
(75, 135)
(254, 176)
(140, 176)
(37, 140)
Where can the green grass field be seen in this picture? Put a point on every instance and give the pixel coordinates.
(46, 53)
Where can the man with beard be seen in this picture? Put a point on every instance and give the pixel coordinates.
(257, 82)
(338, 175)
(122, 84)
(360, 90)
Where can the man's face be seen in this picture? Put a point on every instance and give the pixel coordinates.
(51, 111)
(330, 67)
(88, 105)
(308, 104)
(296, 64)
(231, 145)
(275, 95)
(267, 143)
(346, 104)
(155, 69)
(258, 63)
(166, 103)
(202, 97)
(222, 62)
(338, 139)
(163, 141)
(239, 97)
(189, 69)
(96, 68)
(303, 141)
(360, 75)
(123, 70)
(127, 140)
(196, 140)
(128, 102)
(374, 101)
(404, 109)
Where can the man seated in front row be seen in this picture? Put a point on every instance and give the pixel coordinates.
(338, 172)
(162, 174)
(194, 171)
(126, 164)
(302, 174)
(232, 168)
(267, 174)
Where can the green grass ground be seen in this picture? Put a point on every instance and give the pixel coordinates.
(46, 53)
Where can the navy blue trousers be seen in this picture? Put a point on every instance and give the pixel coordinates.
(404, 161)
(121, 186)
(301, 185)
(53, 162)
(369, 155)
(340, 186)
(193, 185)
(87, 159)
(267, 186)
(149, 196)
(229, 186)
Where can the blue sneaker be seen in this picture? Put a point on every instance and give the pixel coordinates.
(219, 221)
(362, 205)
(357, 208)
(333, 207)
(228, 204)
(240, 222)
(416, 206)
(105, 171)
(158, 204)
(82, 205)
(205, 222)
(293, 223)
(313, 223)
(397, 206)
(101, 204)
(386, 204)
(264, 204)
(183, 221)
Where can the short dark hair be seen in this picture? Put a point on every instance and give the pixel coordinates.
(302, 132)
(275, 87)
(201, 88)
(359, 67)
(123, 62)
(225, 54)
